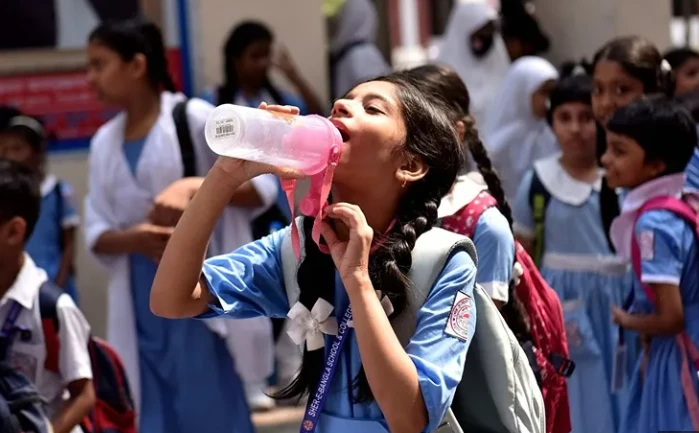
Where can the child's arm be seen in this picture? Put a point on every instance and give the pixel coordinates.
(82, 400)
(667, 319)
(67, 256)
(522, 214)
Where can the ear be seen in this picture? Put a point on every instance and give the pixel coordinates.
(656, 168)
(14, 232)
(461, 130)
(139, 66)
(411, 170)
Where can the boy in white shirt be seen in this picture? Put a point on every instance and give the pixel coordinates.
(20, 281)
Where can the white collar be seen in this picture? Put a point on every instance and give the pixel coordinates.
(466, 188)
(26, 286)
(562, 185)
(662, 186)
(48, 184)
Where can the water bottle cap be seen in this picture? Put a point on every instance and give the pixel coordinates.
(308, 206)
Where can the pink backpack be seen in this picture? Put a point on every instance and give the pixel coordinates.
(545, 315)
(687, 347)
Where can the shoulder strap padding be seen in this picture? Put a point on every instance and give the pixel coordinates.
(48, 308)
(184, 137)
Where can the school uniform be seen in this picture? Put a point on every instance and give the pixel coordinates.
(57, 214)
(668, 250)
(28, 352)
(124, 179)
(588, 278)
(249, 283)
(493, 237)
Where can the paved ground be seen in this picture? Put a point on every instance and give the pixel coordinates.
(279, 420)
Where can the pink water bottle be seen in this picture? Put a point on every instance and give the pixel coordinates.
(298, 142)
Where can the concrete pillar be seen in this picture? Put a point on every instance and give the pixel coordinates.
(578, 28)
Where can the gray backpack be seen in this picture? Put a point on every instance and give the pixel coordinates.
(498, 392)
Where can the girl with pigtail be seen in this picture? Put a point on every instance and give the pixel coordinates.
(400, 156)
(476, 207)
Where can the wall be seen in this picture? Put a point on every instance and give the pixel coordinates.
(211, 21)
(578, 28)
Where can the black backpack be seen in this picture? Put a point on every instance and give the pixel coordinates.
(261, 226)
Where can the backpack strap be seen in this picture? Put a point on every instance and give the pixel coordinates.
(333, 61)
(48, 307)
(539, 198)
(687, 347)
(184, 137)
(58, 190)
(609, 210)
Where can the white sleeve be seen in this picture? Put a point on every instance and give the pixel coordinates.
(73, 335)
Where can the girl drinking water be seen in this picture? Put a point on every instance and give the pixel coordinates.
(664, 389)
(135, 198)
(400, 156)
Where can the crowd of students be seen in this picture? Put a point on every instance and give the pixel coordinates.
(599, 161)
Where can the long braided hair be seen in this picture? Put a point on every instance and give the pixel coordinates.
(430, 136)
(445, 83)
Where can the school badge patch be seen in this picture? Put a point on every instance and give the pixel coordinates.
(460, 316)
(646, 243)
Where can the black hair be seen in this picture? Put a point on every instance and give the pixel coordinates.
(430, 136)
(575, 88)
(571, 68)
(690, 101)
(640, 59)
(677, 57)
(20, 195)
(28, 129)
(242, 36)
(137, 36)
(7, 112)
(520, 24)
(664, 129)
(444, 83)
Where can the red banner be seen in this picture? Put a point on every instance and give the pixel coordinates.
(64, 100)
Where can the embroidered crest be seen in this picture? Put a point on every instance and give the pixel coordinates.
(646, 243)
(308, 425)
(460, 316)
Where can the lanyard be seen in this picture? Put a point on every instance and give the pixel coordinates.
(317, 399)
(8, 330)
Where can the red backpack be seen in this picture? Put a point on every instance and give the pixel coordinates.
(113, 411)
(689, 351)
(545, 316)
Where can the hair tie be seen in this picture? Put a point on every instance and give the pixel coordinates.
(665, 66)
(578, 70)
(27, 122)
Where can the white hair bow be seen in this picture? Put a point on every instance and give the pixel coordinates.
(385, 303)
(517, 272)
(310, 326)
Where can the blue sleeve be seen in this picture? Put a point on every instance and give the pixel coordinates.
(291, 99)
(69, 213)
(659, 236)
(691, 183)
(209, 95)
(496, 253)
(438, 356)
(248, 282)
(522, 210)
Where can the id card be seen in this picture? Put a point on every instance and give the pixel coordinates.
(619, 369)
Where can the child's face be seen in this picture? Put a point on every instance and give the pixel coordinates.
(612, 88)
(687, 77)
(625, 163)
(540, 99)
(253, 64)
(575, 130)
(110, 76)
(14, 148)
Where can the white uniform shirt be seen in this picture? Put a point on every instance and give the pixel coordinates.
(29, 354)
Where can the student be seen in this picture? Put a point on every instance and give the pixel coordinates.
(558, 220)
(685, 66)
(473, 46)
(354, 56)
(52, 244)
(516, 133)
(639, 158)
(136, 195)
(521, 31)
(400, 156)
(20, 280)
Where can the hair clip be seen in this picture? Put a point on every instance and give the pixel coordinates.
(665, 66)
(27, 122)
(578, 70)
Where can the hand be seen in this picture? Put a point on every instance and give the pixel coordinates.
(351, 257)
(150, 240)
(170, 204)
(283, 62)
(619, 316)
(250, 169)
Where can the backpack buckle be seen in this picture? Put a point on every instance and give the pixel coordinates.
(563, 366)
